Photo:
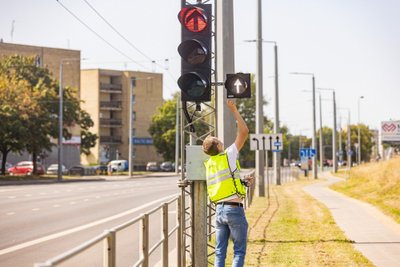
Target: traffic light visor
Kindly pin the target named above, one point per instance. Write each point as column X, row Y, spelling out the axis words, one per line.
column 193, row 51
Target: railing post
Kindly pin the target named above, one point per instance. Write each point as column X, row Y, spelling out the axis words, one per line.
column 109, row 249
column 179, row 234
column 144, row 239
column 164, row 222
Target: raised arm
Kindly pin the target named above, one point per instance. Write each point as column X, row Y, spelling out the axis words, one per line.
column 243, row 131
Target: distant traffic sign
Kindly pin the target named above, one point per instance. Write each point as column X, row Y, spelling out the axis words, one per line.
column 307, row 152
column 266, row 142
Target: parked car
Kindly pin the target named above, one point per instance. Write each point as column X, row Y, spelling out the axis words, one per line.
column 81, row 170
column 100, row 169
column 118, row 165
column 167, row 166
column 25, row 168
column 53, row 169
column 152, row 166
column 8, row 165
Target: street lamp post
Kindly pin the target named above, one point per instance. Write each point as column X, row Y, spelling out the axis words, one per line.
column 60, row 119
column 314, row 160
column 334, row 145
column 60, row 125
column 359, row 136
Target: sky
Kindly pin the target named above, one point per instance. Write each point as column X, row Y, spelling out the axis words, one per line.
column 351, row 46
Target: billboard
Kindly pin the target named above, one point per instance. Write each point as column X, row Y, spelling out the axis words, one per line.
column 390, row 131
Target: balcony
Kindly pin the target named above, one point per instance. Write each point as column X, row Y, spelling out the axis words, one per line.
column 110, row 139
column 111, row 123
column 110, row 105
column 111, row 88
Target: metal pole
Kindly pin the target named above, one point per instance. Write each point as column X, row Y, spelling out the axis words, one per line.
column 359, row 135
column 60, row 126
column 334, row 157
column 177, row 135
column 321, row 144
column 130, row 127
column 314, row 141
column 259, row 105
column 340, row 140
column 277, row 155
column 348, row 142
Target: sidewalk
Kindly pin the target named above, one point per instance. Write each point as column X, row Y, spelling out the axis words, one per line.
column 375, row 235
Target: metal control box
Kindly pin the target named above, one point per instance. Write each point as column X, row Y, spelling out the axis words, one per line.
column 195, row 158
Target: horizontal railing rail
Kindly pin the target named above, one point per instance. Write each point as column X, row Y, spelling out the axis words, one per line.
column 110, row 239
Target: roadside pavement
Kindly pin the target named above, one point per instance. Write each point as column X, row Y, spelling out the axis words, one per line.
column 375, row 235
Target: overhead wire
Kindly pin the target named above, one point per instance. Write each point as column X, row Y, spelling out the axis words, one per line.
column 98, row 35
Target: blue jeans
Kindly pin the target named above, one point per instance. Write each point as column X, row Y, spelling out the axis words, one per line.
column 230, row 221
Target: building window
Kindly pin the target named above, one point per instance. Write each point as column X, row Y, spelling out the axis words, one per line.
column 133, row 115
column 133, row 82
column 133, row 131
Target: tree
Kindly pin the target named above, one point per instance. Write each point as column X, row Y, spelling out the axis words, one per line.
column 162, row 129
column 31, row 100
column 366, row 142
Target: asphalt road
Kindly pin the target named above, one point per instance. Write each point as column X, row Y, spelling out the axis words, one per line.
column 38, row 222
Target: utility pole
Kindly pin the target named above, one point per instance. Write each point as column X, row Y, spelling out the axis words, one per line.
column 334, row 145
column 259, row 104
column 321, row 144
column 277, row 155
column 314, row 139
column 359, row 135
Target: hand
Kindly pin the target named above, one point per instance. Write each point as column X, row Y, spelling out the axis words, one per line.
column 231, row 105
column 248, row 180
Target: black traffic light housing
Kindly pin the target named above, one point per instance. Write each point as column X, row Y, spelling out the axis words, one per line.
column 238, row 85
column 195, row 51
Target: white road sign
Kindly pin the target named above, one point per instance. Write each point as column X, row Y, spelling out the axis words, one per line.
column 266, row 142
column 390, row 131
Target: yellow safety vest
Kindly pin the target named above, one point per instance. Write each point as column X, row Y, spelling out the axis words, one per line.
column 220, row 183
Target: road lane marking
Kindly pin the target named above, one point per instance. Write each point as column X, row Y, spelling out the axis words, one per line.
column 10, row 213
column 35, row 209
column 80, row 228
column 56, row 206
column 12, row 197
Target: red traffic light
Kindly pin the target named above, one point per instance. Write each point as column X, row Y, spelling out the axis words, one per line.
column 193, row 18
column 238, row 85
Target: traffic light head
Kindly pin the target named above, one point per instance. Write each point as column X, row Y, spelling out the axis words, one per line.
column 195, row 51
column 238, row 85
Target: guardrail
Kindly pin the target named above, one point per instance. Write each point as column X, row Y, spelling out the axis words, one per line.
column 109, row 238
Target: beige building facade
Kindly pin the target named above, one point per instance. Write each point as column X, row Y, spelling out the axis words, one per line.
column 106, row 95
column 53, row 59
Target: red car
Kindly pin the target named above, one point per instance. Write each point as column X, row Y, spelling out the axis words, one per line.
column 25, row 168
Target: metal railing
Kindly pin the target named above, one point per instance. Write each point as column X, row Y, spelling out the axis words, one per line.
column 109, row 238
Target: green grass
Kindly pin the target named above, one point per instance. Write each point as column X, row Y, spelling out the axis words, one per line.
column 293, row 229
column 377, row 183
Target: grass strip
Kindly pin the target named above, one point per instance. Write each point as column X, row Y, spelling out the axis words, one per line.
column 293, row 229
column 377, row 183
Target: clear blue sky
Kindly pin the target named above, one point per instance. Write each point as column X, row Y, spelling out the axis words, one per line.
column 350, row 45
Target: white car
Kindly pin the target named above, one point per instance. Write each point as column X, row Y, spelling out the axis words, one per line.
column 53, row 169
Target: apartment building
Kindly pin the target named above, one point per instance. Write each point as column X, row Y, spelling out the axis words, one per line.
column 106, row 95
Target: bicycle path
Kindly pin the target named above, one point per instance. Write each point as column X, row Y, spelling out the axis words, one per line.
column 375, row 235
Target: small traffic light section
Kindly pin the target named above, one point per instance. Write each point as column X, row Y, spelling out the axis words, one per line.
column 195, row 50
column 238, row 85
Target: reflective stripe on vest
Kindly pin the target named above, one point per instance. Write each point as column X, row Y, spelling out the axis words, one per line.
column 220, row 183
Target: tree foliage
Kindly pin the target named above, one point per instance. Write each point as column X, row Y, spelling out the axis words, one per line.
column 29, row 107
